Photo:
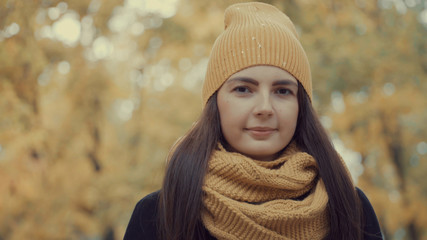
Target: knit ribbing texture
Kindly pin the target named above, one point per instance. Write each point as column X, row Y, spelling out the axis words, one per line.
column 249, row 199
column 256, row 34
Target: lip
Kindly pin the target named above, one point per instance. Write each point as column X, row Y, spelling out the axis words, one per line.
column 260, row 132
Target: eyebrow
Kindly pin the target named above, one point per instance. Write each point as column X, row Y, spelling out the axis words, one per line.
column 254, row 82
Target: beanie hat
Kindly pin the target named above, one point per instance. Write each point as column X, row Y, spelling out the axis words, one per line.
column 255, row 34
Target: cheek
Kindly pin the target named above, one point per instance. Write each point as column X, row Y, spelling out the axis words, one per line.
column 224, row 113
column 289, row 116
column 227, row 116
column 232, row 119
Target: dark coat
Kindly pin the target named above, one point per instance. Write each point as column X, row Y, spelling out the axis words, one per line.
column 142, row 224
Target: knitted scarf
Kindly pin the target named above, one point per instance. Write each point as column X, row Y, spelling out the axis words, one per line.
column 250, row 199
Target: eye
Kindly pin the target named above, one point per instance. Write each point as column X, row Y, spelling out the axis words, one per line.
column 241, row 89
column 283, row 91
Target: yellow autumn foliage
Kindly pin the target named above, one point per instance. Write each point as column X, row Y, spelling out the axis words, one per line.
column 88, row 115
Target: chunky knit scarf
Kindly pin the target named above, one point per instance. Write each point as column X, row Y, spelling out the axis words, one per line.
column 250, row 199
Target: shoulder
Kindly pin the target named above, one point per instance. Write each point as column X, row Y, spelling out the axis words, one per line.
column 142, row 224
column 371, row 228
column 148, row 201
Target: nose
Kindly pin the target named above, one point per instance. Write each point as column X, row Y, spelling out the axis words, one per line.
column 264, row 107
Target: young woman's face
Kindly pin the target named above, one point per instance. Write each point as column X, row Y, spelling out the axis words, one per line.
column 258, row 109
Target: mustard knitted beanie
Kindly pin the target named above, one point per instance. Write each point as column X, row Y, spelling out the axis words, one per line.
column 255, row 34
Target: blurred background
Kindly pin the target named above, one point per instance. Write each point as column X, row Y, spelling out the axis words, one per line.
column 93, row 94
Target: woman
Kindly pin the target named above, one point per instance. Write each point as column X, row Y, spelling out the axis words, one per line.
column 257, row 164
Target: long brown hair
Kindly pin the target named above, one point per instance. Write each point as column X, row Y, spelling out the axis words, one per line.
column 180, row 200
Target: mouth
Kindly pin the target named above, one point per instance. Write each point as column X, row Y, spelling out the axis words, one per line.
column 260, row 132
column 261, row 129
